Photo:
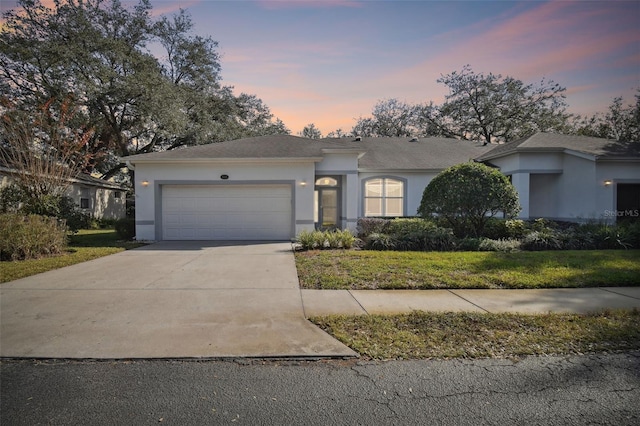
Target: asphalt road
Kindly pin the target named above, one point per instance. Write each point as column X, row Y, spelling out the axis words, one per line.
column 578, row 390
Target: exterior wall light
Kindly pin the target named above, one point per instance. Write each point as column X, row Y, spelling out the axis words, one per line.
column 303, row 183
column 145, row 183
column 607, row 182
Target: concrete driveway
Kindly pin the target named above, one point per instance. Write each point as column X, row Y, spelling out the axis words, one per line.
column 165, row 300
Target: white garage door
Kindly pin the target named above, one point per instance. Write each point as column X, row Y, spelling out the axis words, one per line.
column 221, row 212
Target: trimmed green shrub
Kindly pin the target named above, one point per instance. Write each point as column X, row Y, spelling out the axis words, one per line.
column 502, row 229
column 439, row 239
column 409, row 226
column 469, row 244
column 412, row 234
column 577, row 238
column 30, row 237
column 467, row 195
column 125, row 228
column 370, row 225
column 495, row 229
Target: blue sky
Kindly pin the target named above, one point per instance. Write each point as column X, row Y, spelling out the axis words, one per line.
column 329, row 62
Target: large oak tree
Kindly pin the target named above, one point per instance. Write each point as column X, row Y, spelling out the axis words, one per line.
column 480, row 107
column 141, row 84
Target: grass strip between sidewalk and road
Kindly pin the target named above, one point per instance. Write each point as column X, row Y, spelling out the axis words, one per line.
column 83, row 246
column 370, row 270
column 422, row 335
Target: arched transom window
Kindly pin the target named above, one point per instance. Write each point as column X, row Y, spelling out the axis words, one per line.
column 326, row 181
column 384, row 197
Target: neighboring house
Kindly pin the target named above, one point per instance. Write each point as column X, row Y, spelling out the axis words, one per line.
column 571, row 178
column 99, row 198
column 273, row 187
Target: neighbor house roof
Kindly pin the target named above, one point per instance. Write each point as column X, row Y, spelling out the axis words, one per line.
column 375, row 153
column 596, row 147
column 85, row 179
column 81, row 179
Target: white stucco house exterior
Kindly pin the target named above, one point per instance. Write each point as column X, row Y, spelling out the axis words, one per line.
column 273, row 187
column 571, row 178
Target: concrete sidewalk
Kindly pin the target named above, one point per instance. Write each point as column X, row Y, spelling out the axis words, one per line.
column 216, row 299
column 362, row 302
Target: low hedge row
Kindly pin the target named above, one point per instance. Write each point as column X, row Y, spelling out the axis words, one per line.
column 30, row 237
column 499, row 235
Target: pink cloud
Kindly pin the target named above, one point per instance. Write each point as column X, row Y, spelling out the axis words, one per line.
column 311, row 4
column 547, row 41
column 171, row 7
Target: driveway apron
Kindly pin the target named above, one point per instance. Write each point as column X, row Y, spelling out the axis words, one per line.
column 165, row 300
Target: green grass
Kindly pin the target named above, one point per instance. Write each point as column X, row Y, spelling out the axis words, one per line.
column 84, row 246
column 362, row 270
column 421, row 335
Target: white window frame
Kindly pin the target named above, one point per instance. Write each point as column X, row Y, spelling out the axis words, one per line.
column 383, row 197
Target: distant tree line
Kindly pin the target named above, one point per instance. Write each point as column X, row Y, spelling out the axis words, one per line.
column 492, row 108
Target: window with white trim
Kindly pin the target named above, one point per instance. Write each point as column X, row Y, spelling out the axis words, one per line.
column 84, row 198
column 384, row 197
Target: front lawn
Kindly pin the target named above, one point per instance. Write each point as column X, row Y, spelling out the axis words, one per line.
column 362, row 270
column 422, row 335
column 85, row 245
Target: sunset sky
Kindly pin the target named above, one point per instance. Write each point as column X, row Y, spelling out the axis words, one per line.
column 329, row 62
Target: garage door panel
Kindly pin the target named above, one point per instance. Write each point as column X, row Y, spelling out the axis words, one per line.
column 209, row 212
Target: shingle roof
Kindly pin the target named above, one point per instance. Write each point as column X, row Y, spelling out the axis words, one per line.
column 94, row 181
column 274, row 146
column 377, row 153
column 82, row 178
column 598, row 147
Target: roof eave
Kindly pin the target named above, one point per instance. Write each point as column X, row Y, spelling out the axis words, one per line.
column 236, row 160
column 359, row 152
column 379, row 170
column 610, row 158
column 96, row 183
column 519, row 150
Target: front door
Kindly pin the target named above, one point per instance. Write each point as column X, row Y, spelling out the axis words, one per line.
column 328, row 208
column 327, row 205
column 628, row 202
